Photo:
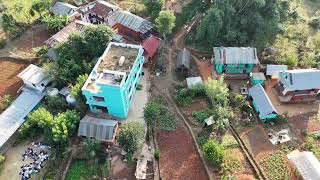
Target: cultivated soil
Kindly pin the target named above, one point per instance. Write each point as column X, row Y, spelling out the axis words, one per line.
column 179, row 159
column 9, row 81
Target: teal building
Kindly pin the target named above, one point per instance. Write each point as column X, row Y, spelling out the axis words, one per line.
column 112, row 83
column 262, row 104
column 234, row 59
column 257, row 78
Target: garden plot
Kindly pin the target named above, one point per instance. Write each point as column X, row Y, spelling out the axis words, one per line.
column 179, row 158
column 9, row 81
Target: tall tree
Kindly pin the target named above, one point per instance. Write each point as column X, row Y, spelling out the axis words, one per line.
column 217, row 91
column 153, row 7
column 165, row 22
column 242, row 23
column 131, row 137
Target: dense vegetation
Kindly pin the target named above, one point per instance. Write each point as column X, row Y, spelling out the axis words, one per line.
column 79, row 54
column 242, row 22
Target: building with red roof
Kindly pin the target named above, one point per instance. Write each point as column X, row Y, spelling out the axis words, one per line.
column 150, row 46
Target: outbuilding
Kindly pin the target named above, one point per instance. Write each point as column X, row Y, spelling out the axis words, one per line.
column 194, row 81
column 183, row 60
column 234, row 59
column 63, row 9
column 34, row 78
column 262, row 103
column 257, row 78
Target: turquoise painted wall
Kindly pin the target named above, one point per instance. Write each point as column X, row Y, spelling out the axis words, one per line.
column 256, row 81
column 118, row 98
column 234, row 68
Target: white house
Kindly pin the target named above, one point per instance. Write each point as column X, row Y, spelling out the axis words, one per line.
column 63, row 9
column 34, row 78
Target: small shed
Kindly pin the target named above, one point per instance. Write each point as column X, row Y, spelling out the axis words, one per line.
column 183, row 60
column 209, row 121
column 262, row 103
column 257, row 78
column 274, row 69
column 306, row 163
column 63, row 9
column 150, row 46
column 98, row 128
column 194, row 81
column 34, row 77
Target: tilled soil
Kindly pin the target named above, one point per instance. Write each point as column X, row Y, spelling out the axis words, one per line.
column 179, row 158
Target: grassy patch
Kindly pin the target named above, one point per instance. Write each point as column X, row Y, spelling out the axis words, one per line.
column 231, row 161
column 82, row 170
column 274, row 165
column 228, row 141
column 23, row 7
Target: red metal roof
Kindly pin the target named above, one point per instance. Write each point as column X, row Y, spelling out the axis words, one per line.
column 151, row 45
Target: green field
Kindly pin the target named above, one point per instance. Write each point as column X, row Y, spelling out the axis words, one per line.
column 20, row 9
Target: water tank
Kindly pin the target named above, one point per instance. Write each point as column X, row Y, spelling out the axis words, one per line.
column 121, row 61
column 71, row 100
column 52, row 92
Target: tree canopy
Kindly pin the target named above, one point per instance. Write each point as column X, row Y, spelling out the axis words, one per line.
column 131, row 137
column 165, row 22
column 79, row 54
column 214, row 152
column 153, row 7
column 242, row 23
column 217, row 91
column 56, row 23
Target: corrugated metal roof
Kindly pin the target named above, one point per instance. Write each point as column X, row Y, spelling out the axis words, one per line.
column 33, row 74
column 300, row 79
column 151, row 45
column 61, row 8
column 64, row 34
column 14, row 116
column 184, row 59
column 235, row 55
column 98, row 128
column 193, row 81
column 307, row 164
column 259, row 76
column 103, row 8
column 261, row 100
column 132, row 21
column 273, row 69
column 118, row 38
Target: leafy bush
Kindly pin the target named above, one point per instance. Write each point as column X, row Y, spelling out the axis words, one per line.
column 157, row 115
column 184, row 96
column 6, row 100
column 200, row 116
column 275, row 166
column 56, row 23
column 214, row 152
column 139, row 87
column 131, row 137
column 92, row 148
column 157, row 154
column 203, row 136
column 3, row 43
column 56, row 104
column 10, row 25
column 2, row 159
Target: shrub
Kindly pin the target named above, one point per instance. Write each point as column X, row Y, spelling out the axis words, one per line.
column 214, row 152
column 3, row 43
column 203, row 136
column 56, row 104
column 157, row 154
column 2, row 159
column 6, row 101
column 131, row 137
column 200, row 116
column 139, row 87
column 10, row 25
column 183, row 97
column 92, row 147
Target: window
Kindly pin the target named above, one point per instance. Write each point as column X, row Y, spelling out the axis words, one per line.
column 42, row 84
column 98, row 99
column 33, row 85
